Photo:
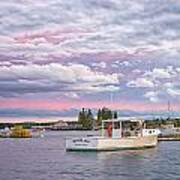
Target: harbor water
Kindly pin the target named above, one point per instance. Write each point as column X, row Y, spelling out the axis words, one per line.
column 46, row 159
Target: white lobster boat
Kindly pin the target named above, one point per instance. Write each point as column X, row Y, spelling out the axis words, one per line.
column 116, row 134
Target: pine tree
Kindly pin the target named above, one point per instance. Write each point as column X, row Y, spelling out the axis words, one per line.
column 115, row 115
column 109, row 114
column 106, row 113
column 99, row 117
column 89, row 119
column 86, row 118
column 80, row 117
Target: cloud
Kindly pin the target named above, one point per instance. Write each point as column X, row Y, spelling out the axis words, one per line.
column 172, row 89
column 161, row 73
column 152, row 96
column 100, row 65
column 141, row 83
column 162, row 83
column 72, row 95
column 173, row 92
column 23, row 112
column 72, row 49
column 98, row 26
column 71, row 78
column 119, row 63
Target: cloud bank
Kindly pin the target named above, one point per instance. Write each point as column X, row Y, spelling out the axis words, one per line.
column 85, row 51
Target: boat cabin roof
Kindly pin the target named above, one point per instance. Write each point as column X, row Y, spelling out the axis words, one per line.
column 123, row 120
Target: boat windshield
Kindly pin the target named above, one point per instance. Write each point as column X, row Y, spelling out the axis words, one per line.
column 117, row 129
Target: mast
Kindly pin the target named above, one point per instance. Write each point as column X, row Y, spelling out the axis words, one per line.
column 111, row 100
column 169, row 109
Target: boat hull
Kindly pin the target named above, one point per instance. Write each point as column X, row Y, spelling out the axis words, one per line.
column 110, row 144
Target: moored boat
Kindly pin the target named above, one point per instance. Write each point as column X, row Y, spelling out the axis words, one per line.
column 20, row 132
column 116, row 134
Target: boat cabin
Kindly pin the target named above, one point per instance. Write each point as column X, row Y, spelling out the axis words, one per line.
column 118, row 128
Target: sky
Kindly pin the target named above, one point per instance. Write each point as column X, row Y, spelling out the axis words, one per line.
column 57, row 55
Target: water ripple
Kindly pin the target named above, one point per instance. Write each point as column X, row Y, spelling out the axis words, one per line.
column 46, row 159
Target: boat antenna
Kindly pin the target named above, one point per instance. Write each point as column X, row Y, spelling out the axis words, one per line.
column 169, row 109
column 111, row 98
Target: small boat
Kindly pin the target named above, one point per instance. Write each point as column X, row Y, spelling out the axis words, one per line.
column 116, row 134
column 4, row 133
column 20, row 132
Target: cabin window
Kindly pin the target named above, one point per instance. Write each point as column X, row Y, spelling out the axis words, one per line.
column 116, row 125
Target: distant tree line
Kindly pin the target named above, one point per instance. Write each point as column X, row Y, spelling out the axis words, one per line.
column 104, row 114
column 88, row 121
column 159, row 122
column 26, row 125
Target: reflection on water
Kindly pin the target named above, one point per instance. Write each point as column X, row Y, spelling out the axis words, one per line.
column 46, row 158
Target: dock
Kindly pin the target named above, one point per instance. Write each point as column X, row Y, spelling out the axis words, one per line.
column 169, row 138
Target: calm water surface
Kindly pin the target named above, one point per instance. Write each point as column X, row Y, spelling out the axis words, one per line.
column 46, row 159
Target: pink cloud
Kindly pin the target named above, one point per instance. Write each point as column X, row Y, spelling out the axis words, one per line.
column 60, row 105
column 6, row 39
column 50, row 35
